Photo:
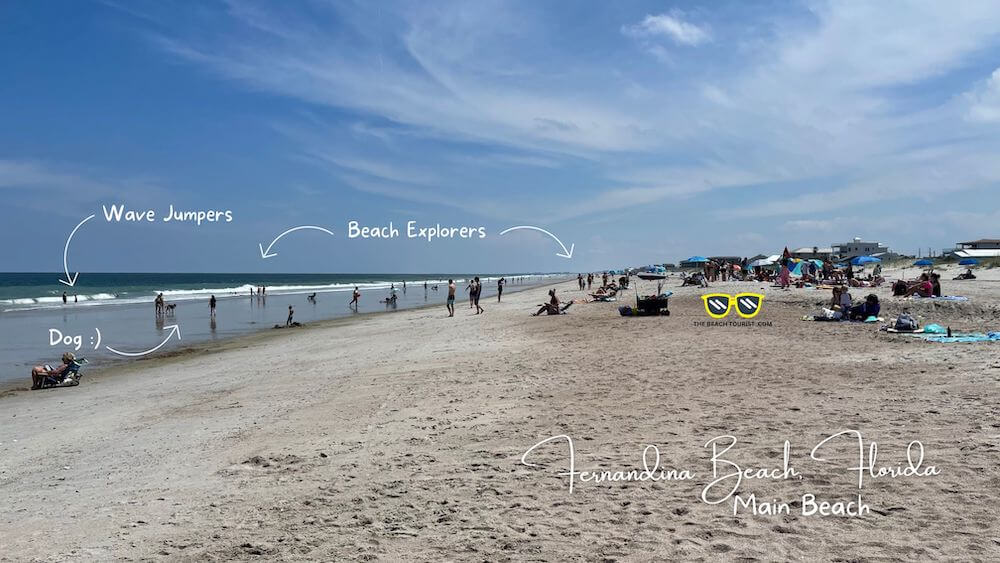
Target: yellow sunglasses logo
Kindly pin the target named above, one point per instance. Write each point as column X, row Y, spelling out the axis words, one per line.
column 718, row 305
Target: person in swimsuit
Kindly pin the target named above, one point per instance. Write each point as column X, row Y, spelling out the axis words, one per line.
column 477, row 292
column 291, row 313
column 451, row 298
column 354, row 300
column 500, row 284
column 211, row 306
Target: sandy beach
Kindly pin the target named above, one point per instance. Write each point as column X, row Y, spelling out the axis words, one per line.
column 400, row 437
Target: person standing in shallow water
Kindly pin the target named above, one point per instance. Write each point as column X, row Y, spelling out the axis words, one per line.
column 211, row 306
column 451, row 298
column 354, row 301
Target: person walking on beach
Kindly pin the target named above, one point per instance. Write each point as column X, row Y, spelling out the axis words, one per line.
column 354, row 300
column 211, row 306
column 64, row 298
column 579, row 281
column 451, row 298
column 471, row 288
column 291, row 313
column 478, row 292
column 158, row 304
column 500, row 284
column 590, row 280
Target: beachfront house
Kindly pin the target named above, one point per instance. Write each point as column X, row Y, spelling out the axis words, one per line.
column 982, row 248
column 813, row 253
column 858, row 247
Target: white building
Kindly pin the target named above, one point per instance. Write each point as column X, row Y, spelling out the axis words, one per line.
column 982, row 248
column 812, row 252
column 858, row 247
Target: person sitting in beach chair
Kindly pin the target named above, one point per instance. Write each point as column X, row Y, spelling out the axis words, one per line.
column 40, row 375
column 936, row 284
column 870, row 308
column 968, row 275
column 923, row 288
column 552, row 307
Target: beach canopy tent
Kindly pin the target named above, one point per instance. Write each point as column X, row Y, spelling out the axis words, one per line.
column 697, row 259
column 968, row 262
column 862, row 260
column 924, row 262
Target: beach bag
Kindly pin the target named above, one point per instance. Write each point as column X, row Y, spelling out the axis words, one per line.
column 906, row 322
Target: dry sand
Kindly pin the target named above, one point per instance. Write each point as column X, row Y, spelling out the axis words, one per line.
column 399, row 437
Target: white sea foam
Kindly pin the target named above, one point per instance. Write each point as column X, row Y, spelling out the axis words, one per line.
column 55, row 301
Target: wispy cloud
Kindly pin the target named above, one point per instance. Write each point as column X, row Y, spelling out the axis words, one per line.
column 984, row 100
column 671, row 26
column 838, row 102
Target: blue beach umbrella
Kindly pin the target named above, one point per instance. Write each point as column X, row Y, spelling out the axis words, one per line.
column 697, row 259
column 968, row 262
column 862, row 260
column 924, row 262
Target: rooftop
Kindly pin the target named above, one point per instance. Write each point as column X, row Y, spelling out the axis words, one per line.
column 983, row 241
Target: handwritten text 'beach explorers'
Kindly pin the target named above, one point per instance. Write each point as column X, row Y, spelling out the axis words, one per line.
column 413, row 230
column 727, row 475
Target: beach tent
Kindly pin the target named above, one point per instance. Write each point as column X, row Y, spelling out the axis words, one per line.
column 924, row 262
column 862, row 260
column 968, row 262
column 797, row 270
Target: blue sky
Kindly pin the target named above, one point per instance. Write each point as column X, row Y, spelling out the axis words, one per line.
column 639, row 131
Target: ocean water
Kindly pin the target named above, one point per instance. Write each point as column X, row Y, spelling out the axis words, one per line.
column 116, row 310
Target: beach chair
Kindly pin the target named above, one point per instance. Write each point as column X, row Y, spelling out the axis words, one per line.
column 69, row 377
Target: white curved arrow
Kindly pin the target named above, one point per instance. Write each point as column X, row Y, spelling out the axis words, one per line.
column 267, row 253
column 71, row 280
column 565, row 253
column 174, row 329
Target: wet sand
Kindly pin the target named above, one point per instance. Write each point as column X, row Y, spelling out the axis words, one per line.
column 399, row 437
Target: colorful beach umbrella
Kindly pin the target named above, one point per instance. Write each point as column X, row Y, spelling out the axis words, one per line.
column 862, row 260
column 968, row 262
column 924, row 262
column 697, row 259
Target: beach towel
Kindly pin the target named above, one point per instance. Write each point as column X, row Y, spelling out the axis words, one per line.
column 972, row 337
column 944, row 298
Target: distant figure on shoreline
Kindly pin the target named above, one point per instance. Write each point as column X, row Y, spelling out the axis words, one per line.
column 477, row 292
column 74, row 298
column 158, row 304
column 311, row 298
column 354, row 300
column 211, row 307
column 291, row 313
column 500, row 284
column 64, row 298
column 451, row 298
